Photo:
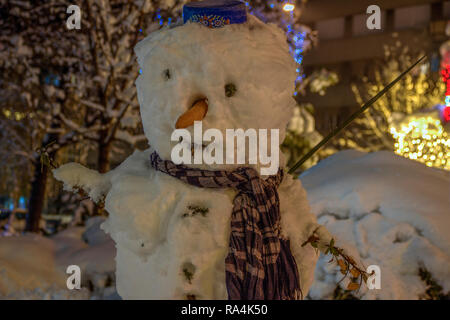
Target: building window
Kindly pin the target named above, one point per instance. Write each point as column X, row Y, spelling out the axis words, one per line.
column 412, row 17
column 331, row 29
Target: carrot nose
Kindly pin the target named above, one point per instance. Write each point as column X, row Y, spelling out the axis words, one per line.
column 196, row 113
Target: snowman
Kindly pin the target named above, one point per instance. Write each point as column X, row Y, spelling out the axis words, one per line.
column 203, row 230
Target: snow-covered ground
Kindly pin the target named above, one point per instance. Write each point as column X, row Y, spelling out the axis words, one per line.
column 384, row 209
column 387, row 211
column 33, row 266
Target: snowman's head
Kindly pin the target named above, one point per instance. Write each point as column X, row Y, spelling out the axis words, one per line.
column 243, row 74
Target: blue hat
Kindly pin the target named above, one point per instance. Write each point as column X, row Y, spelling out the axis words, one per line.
column 215, row 13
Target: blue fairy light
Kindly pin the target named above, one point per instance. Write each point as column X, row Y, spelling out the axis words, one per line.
column 296, row 37
column 22, row 203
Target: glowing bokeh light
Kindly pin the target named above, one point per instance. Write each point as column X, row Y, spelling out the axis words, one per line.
column 288, row 7
column 424, row 139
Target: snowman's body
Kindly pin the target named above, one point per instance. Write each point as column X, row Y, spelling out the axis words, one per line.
column 164, row 249
column 160, row 241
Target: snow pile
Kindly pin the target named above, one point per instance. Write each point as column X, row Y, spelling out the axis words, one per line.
column 33, row 266
column 387, row 211
column 95, row 256
column 28, row 270
column 93, row 234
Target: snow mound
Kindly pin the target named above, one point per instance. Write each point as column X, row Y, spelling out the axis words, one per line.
column 93, row 234
column 95, row 255
column 33, row 266
column 28, row 270
column 387, row 211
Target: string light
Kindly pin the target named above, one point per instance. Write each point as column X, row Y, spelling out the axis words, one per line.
column 423, row 139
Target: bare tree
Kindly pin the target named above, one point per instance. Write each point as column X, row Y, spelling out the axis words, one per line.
column 72, row 86
column 31, row 60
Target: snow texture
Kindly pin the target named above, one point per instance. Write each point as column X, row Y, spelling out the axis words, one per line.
column 34, row 267
column 164, row 249
column 387, row 211
column 78, row 177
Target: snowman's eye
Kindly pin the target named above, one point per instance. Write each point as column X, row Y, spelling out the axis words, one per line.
column 166, row 74
column 230, row 89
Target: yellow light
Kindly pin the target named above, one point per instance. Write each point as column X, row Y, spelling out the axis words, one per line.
column 423, row 139
column 288, row 7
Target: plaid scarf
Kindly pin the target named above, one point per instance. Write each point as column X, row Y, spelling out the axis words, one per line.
column 259, row 265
